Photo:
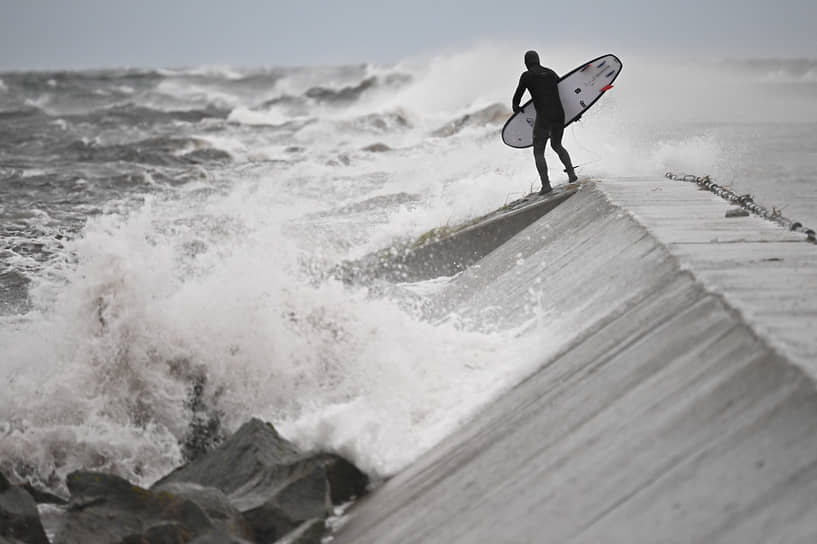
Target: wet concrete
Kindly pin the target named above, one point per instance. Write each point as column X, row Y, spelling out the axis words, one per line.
column 680, row 407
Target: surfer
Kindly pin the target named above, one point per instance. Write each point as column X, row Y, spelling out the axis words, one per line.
column 542, row 83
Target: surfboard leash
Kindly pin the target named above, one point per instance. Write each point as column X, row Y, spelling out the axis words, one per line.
column 584, row 148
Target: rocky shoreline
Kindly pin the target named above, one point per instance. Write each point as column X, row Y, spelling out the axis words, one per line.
column 256, row 487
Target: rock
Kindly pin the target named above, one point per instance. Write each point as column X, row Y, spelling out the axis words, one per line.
column 269, row 523
column 165, row 533
column 736, row 212
column 19, row 519
column 219, row 537
column 168, row 533
column 215, row 504
column 305, row 498
column 106, row 508
column 4, row 540
column 174, row 533
column 246, row 457
column 309, row 532
column 42, row 497
column 377, row 148
column 274, row 485
column 346, row 481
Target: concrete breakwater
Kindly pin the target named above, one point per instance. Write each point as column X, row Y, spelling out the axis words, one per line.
column 680, row 406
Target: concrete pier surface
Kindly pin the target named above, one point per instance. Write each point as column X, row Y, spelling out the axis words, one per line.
column 680, row 405
column 763, row 271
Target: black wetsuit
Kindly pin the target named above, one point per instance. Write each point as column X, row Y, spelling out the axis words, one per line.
column 542, row 83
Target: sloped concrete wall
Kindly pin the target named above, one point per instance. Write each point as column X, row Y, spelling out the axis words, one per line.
column 451, row 254
column 663, row 418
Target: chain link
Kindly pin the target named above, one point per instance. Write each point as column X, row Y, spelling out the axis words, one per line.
column 747, row 203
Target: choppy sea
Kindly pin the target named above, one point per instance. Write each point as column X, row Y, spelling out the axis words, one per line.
column 167, row 238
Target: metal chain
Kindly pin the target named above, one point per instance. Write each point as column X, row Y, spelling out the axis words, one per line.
column 747, row 203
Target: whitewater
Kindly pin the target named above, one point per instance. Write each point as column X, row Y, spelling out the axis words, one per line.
column 170, row 237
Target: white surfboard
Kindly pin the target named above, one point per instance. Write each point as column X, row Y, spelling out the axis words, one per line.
column 579, row 89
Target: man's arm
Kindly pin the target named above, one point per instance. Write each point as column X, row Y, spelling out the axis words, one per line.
column 517, row 96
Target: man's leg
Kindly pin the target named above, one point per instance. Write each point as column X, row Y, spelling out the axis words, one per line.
column 540, row 140
column 556, row 132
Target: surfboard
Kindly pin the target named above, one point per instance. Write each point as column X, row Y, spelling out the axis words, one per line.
column 579, row 89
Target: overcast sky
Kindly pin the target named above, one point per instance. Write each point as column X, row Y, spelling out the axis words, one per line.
column 42, row 34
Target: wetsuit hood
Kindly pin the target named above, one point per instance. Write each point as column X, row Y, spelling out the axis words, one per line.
column 531, row 59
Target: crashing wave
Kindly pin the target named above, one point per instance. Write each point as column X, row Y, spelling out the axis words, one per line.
column 159, row 151
column 491, row 115
column 131, row 113
column 352, row 93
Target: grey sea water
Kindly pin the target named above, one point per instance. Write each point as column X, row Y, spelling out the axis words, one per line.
column 166, row 228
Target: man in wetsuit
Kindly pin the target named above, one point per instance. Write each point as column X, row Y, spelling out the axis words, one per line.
column 541, row 83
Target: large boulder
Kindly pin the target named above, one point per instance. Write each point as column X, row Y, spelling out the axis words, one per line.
column 41, row 496
column 219, row 537
column 19, row 519
column 224, row 516
column 309, row 532
column 175, row 533
column 306, row 497
column 10, row 540
column 274, row 485
column 107, row 508
column 164, row 533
